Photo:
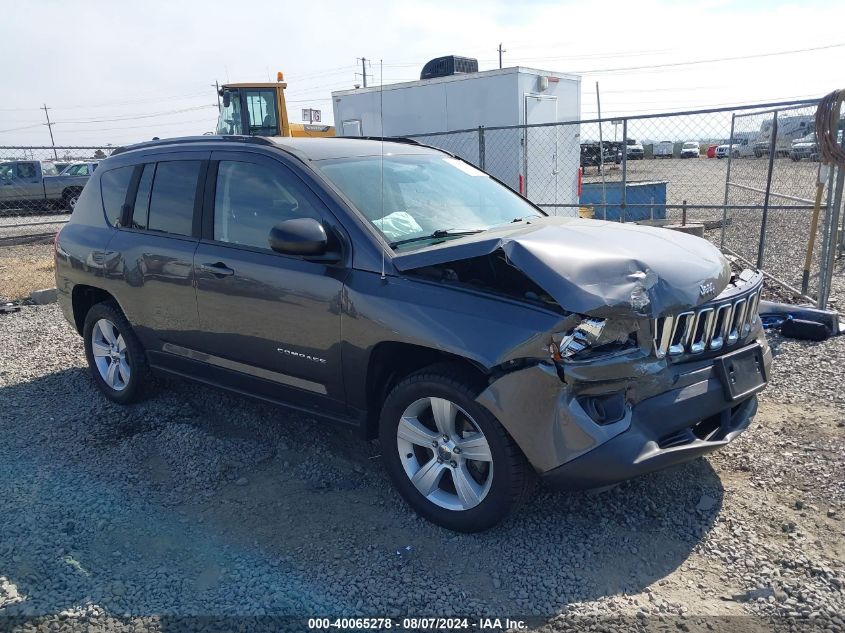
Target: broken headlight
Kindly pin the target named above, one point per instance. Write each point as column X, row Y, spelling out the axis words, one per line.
column 594, row 335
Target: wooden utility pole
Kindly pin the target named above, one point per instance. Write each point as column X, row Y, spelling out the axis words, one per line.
column 364, row 70
column 501, row 50
column 50, row 127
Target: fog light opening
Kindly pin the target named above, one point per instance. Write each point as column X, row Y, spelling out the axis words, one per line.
column 604, row 409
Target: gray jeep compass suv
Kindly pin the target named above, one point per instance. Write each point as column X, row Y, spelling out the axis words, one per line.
column 396, row 288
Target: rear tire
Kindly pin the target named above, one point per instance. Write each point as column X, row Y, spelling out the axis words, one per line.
column 115, row 356
column 430, row 425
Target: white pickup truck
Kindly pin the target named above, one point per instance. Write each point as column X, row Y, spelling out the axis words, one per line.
column 34, row 184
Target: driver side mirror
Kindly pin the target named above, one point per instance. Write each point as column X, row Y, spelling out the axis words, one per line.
column 302, row 237
column 227, row 98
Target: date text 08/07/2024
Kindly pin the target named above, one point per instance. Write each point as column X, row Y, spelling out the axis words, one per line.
column 418, row 623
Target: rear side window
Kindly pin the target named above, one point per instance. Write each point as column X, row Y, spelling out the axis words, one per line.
column 26, row 170
column 141, row 209
column 114, row 184
column 172, row 199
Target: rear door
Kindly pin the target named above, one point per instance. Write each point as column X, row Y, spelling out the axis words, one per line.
column 156, row 244
column 270, row 321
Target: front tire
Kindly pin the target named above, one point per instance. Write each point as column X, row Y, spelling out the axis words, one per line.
column 447, row 455
column 115, row 356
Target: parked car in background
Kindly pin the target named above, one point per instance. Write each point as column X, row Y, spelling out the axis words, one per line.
column 807, row 147
column 32, row 184
column 634, row 149
column 481, row 341
column 79, row 169
column 663, row 149
column 711, row 151
column 690, row 149
column 738, row 148
column 591, row 157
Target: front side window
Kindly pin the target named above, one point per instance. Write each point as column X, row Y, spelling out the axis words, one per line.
column 251, row 198
column 424, row 194
column 114, row 184
column 172, row 197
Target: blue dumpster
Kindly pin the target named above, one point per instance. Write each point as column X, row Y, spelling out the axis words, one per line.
column 651, row 193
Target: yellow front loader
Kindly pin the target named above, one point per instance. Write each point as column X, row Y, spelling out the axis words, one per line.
column 259, row 109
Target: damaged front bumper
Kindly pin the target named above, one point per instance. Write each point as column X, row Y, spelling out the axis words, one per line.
column 673, row 412
column 674, row 427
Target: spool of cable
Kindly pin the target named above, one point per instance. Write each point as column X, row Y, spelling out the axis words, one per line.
column 827, row 126
column 830, row 153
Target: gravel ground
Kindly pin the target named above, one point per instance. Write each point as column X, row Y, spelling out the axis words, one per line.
column 195, row 502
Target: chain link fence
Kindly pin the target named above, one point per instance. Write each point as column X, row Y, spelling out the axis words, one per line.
column 747, row 174
column 37, row 179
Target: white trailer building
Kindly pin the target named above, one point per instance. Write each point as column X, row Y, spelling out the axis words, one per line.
column 540, row 162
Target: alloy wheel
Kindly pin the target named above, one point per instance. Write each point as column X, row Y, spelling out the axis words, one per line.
column 444, row 453
column 110, row 356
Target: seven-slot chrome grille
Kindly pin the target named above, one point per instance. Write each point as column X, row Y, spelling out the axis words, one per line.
column 709, row 327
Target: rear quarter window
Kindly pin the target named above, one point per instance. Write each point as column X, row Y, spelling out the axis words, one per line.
column 114, row 185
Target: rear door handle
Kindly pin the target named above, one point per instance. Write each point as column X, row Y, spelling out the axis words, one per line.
column 218, row 269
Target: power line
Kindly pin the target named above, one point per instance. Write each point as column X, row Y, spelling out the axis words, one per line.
column 707, row 61
column 24, row 127
column 135, row 127
column 141, row 116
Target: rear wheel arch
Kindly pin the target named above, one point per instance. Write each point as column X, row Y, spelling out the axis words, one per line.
column 83, row 298
column 391, row 362
column 67, row 192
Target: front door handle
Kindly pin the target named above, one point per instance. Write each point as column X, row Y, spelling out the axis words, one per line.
column 218, row 269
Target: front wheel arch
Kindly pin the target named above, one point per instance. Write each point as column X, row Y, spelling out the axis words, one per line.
column 513, row 478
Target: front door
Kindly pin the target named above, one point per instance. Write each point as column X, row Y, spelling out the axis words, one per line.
column 22, row 182
column 270, row 318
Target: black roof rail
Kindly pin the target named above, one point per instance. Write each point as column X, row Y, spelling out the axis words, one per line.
column 206, row 138
column 386, row 139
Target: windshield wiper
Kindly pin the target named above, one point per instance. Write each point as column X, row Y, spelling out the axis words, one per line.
column 433, row 236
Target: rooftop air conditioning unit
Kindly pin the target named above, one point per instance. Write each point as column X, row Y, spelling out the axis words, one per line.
column 449, row 65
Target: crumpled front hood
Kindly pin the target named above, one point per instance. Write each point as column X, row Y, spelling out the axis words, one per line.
column 596, row 267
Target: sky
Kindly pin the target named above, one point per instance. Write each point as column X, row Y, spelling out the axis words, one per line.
column 119, row 72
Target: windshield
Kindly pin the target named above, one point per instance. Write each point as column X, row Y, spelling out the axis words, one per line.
column 631, row 141
column 424, row 194
column 229, row 120
column 690, row 145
